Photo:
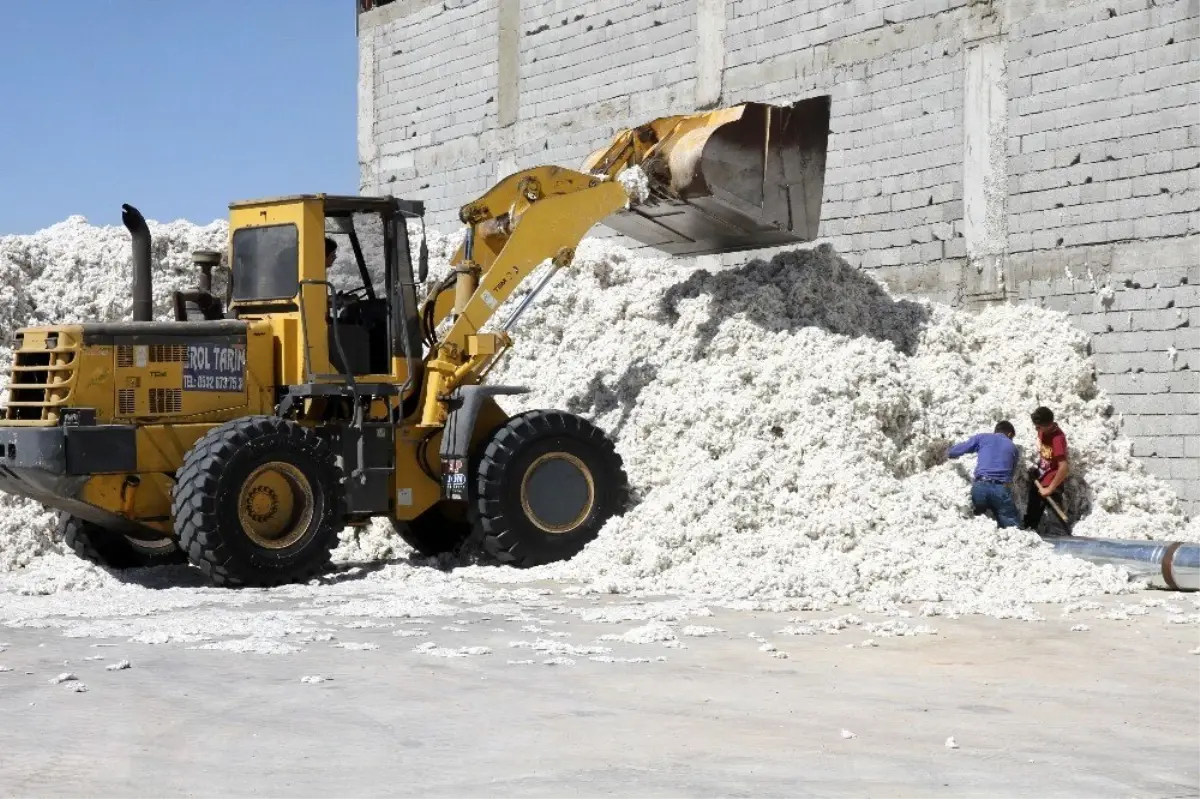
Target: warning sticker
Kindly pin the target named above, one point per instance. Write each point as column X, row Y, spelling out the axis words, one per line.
column 454, row 479
column 215, row 367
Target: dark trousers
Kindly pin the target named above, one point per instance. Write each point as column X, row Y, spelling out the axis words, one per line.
column 1036, row 507
column 994, row 497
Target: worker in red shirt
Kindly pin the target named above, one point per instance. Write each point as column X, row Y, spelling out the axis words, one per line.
column 1046, row 479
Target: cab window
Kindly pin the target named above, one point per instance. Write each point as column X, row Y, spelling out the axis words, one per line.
column 266, row 263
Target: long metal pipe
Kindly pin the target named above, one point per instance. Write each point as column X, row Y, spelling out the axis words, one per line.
column 143, row 290
column 1173, row 565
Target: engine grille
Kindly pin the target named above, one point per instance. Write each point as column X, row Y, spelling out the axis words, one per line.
column 43, row 375
column 166, row 400
column 126, row 401
column 168, row 353
column 138, row 399
column 154, row 353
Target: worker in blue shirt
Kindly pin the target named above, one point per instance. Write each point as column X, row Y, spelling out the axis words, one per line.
column 997, row 458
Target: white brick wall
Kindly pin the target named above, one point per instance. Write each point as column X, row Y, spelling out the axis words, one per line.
column 1105, row 125
column 434, row 92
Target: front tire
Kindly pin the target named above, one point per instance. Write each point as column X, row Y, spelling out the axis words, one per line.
column 259, row 503
column 115, row 551
column 546, row 484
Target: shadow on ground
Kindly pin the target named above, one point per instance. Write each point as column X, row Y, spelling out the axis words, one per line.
column 185, row 576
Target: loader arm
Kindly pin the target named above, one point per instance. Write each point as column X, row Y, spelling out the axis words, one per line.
column 527, row 218
column 728, row 180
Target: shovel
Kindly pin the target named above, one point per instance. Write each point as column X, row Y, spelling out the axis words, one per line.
column 1058, row 509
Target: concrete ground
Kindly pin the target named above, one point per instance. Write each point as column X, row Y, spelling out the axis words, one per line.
column 1036, row 710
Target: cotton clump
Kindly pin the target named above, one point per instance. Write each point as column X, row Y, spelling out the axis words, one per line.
column 636, row 184
column 784, row 425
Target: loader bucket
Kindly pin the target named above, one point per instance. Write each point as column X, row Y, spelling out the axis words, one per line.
column 739, row 178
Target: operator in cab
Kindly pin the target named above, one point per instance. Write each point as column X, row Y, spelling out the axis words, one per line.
column 330, row 252
column 991, row 489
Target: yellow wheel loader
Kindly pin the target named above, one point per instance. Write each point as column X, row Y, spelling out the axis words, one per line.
column 244, row 435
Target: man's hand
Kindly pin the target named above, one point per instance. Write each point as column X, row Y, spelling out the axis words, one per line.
column 1045, row 491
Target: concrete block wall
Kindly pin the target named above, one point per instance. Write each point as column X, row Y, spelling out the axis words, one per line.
column 980, row 151
column 1104, row 138
column 1103, row 205
column 424, row 107
column 568, row 65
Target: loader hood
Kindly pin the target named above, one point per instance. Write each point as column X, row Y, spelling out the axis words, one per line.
column 126, row 370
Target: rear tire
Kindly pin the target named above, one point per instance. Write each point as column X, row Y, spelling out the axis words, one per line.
column 546, row 484
column 259, row 502
column 115, row 551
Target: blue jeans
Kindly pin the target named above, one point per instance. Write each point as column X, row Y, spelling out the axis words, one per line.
column 996, row 498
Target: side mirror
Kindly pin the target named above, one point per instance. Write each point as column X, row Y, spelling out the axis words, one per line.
column 423, row 260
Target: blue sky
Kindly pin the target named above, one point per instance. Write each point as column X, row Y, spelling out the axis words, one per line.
column 175, row 106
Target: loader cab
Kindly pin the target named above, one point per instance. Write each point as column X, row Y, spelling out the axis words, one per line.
column 357, row 319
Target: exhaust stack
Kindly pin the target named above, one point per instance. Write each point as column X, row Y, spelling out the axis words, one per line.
column 143, row 289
